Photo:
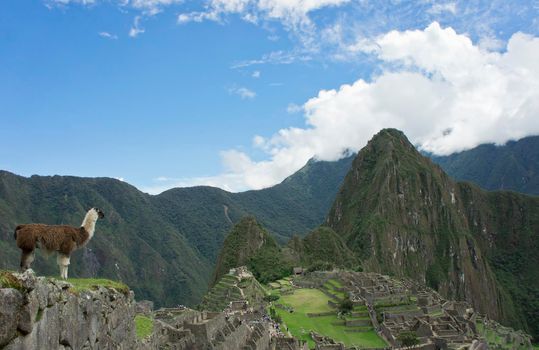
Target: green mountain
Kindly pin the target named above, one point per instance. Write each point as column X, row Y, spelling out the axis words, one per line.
column 320, row 249
column 249, row 244
column 403, row 216
column 513, row 166
column 164, row 246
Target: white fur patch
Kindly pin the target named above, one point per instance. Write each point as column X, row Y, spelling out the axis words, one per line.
column 89, row 222
column 63, row 260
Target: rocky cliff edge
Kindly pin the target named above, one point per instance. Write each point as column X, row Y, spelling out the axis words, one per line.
column 45, row 313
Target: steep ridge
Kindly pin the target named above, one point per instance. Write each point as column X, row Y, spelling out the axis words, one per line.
column 238, row 285
column 320, row 249
column 163, row 246
column 248, row 243
column 402, row 215
column 513, row 166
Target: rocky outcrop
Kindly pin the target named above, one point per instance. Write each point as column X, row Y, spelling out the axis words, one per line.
column 42, row 313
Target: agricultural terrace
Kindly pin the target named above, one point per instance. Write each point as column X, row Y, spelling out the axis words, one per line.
column 294, row 306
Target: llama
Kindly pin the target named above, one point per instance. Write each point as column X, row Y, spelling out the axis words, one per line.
column 55, row 238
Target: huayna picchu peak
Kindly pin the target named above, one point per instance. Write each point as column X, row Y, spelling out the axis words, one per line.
column 403, row 216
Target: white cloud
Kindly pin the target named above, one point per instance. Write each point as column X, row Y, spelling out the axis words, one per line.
column 151, row 7
column 67, row 2
column 293, row 108
column 275, row 57
column 293, row 15
column 147, row 7
column 308, row 23
column 136, row 29
column 259, row 141
column 439, row 8
column 293, row 12
column 444, row 92
column 256, row 74
column 243, row 92
column 197, row 17
column 108, row 35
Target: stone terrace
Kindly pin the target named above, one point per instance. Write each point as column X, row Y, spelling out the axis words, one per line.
column 397, row 306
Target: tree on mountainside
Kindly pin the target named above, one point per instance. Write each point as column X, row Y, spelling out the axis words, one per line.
column 407, row 339
column 346, row 306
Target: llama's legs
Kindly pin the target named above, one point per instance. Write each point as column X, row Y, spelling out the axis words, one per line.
column 63, row 263
column 27, row 257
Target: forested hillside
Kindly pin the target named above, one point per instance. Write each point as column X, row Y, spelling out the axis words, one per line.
column 514, row 166
column 164, row 246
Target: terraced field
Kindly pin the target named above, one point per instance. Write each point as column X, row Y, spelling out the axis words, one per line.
column 296, row 313
column 496, row 340
column 228, row 289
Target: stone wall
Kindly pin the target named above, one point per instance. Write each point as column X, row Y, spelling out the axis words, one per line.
column 49, row 314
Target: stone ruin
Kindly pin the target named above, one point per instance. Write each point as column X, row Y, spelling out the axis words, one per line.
column 187, row 329
column 241, row 272
column 326, row 343
column 405, row 306
column 239, row 327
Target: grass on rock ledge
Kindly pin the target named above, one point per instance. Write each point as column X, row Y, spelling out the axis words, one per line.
column 82, row 284
column 8, row 280
column 143, row 326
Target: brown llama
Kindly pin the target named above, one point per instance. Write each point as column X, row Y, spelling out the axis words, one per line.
column 62, row 239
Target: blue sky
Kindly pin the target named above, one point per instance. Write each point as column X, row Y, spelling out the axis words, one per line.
column 240, row 93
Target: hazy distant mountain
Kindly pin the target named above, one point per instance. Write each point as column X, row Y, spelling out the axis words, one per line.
column 514, row 166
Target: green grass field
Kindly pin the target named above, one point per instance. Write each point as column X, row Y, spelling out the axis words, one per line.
column 305, row 301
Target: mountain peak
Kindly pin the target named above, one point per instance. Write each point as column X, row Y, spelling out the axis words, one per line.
column 249, row 244
column 390, row 140
column 403, row 216
column 390, row 132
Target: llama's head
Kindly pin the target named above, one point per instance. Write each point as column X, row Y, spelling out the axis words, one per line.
column 100, row 214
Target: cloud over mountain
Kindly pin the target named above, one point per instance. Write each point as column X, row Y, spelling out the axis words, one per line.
column 447, row 93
